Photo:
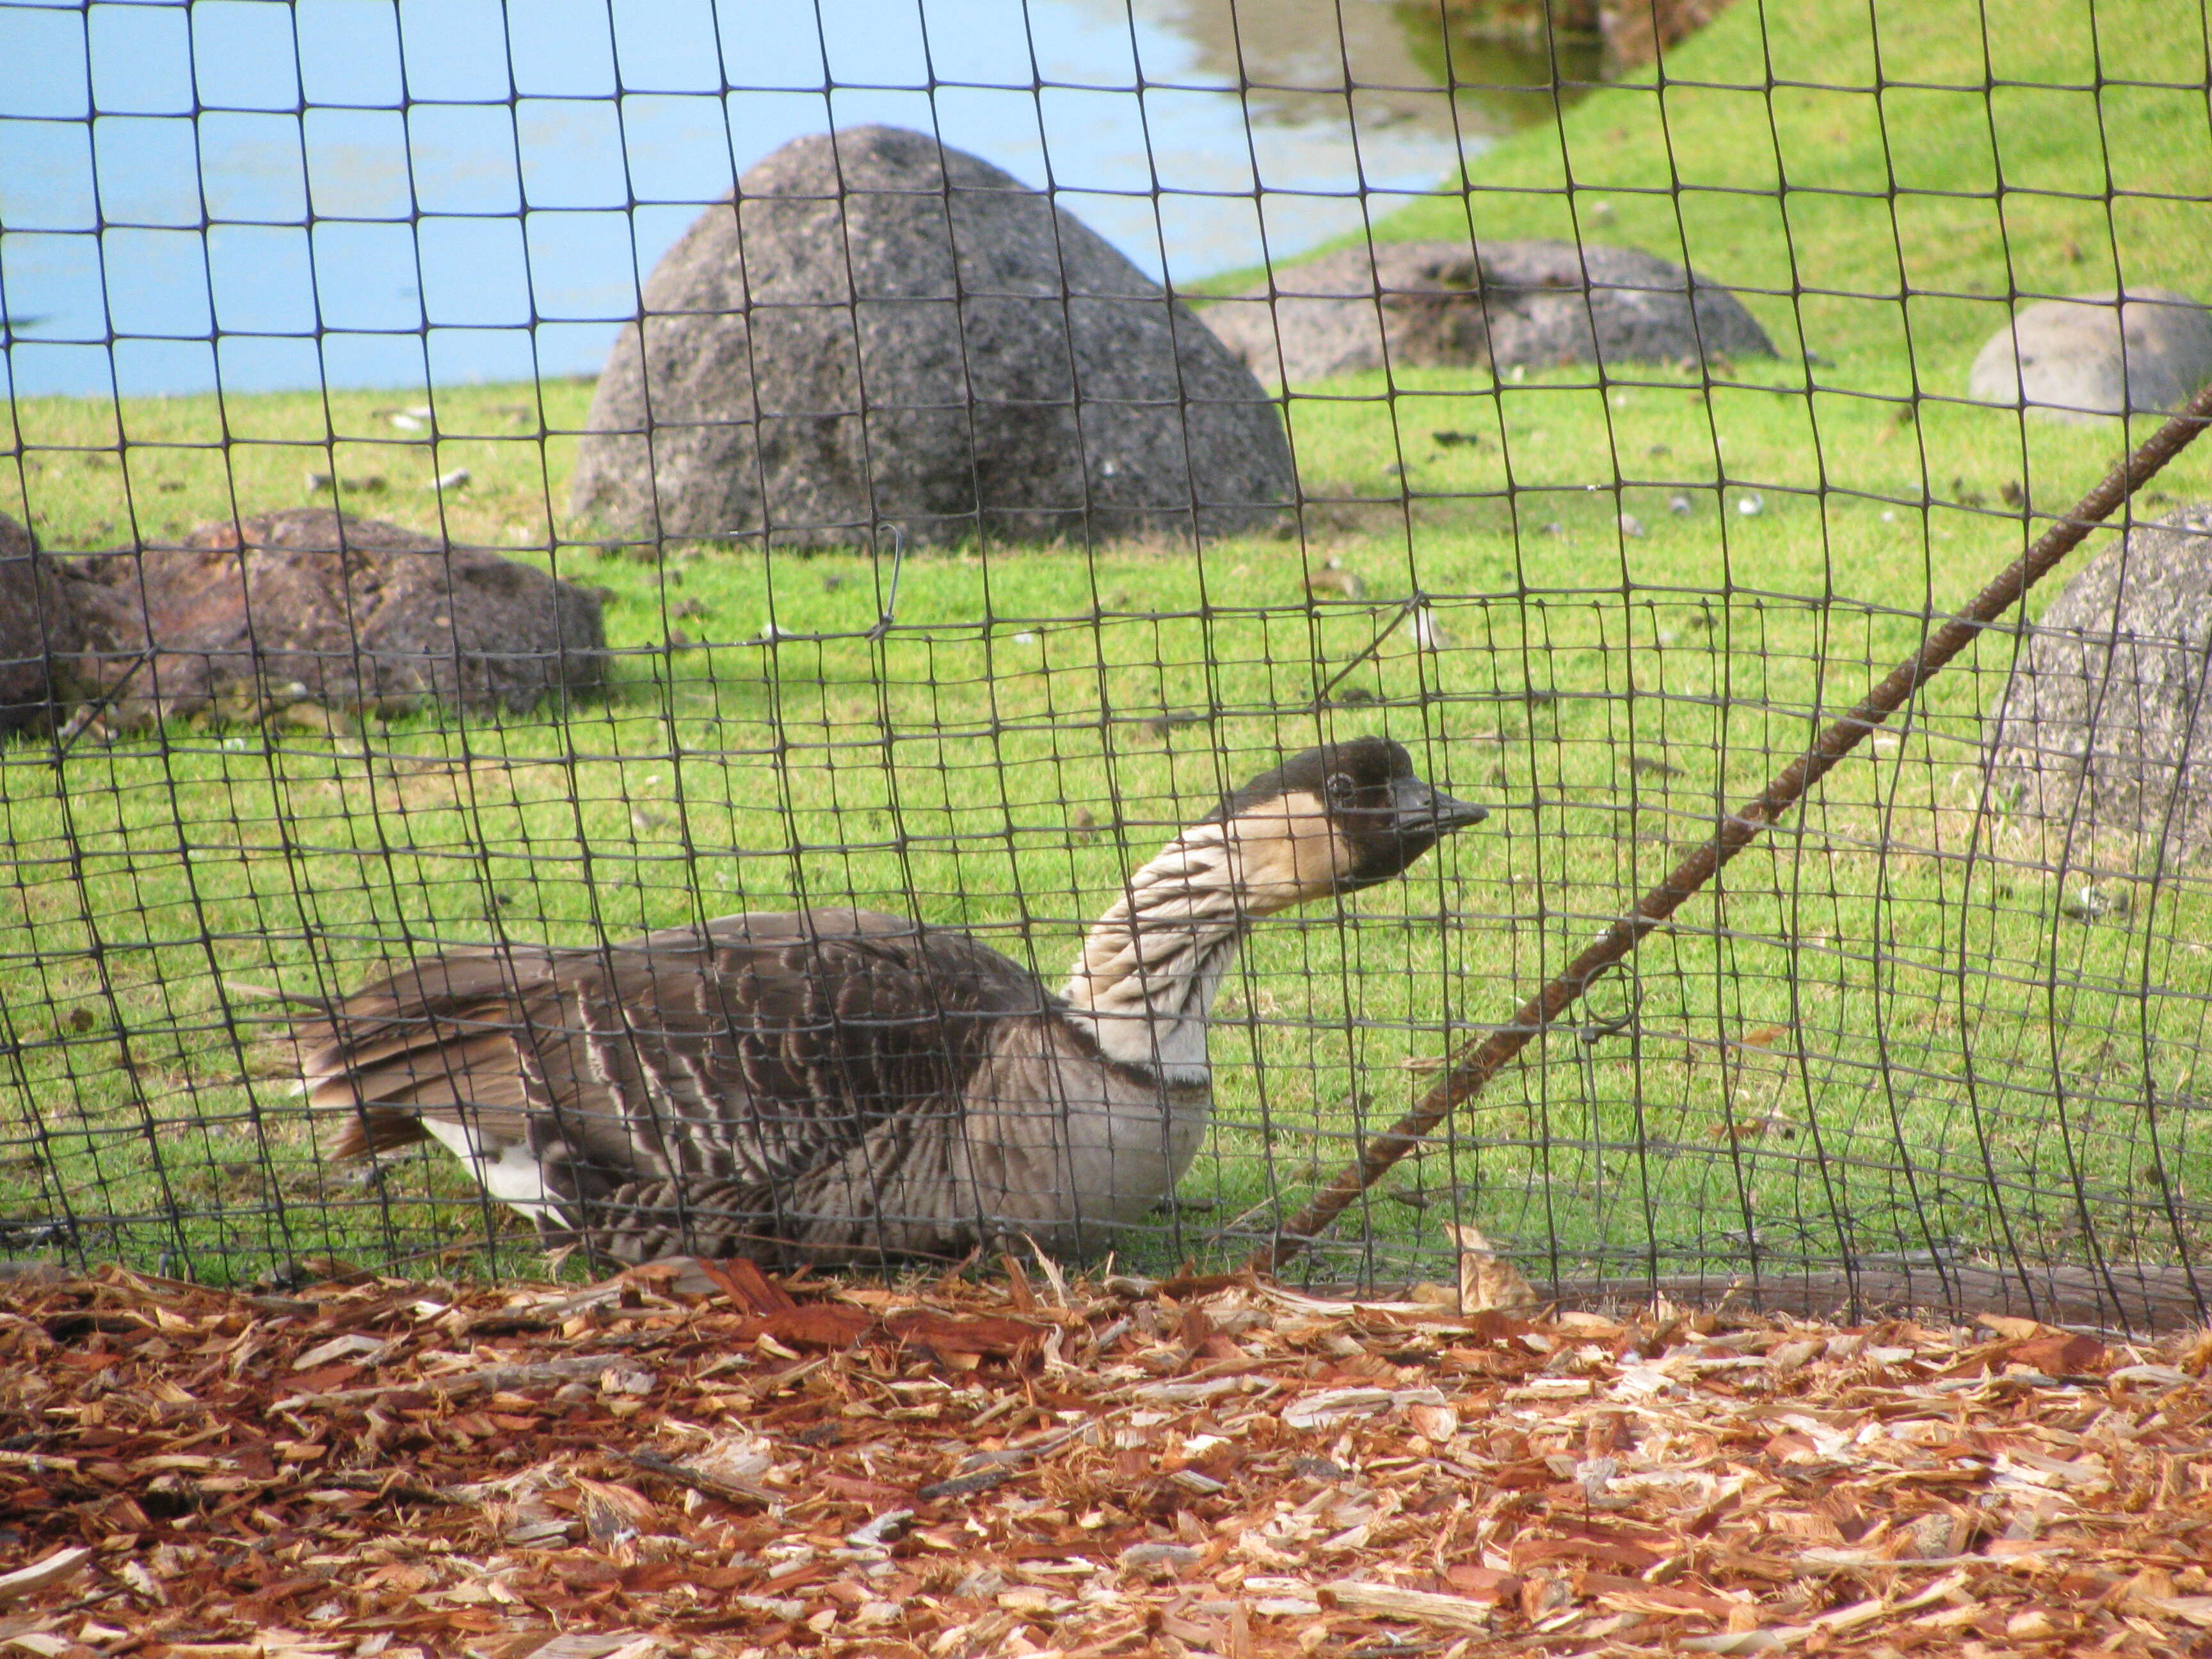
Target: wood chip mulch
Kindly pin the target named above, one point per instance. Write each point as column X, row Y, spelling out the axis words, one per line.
column 693, row 1460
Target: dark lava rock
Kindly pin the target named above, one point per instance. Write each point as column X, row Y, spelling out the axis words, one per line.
column 347, row 612
column 2075, row 359
column 1537, row 305
column 2104, row 723
column 41, row 632
column 820, row 362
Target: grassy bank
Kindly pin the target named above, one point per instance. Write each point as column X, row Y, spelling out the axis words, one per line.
column 1881, row 178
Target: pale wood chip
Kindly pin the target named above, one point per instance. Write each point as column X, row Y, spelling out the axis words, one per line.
column 50, row 1570
column 1416, row 1606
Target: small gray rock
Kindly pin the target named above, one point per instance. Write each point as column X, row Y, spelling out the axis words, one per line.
column 311, row 604
column 821, row 362
column 2075, row 359
column 2104, row 723
column 1533, row 304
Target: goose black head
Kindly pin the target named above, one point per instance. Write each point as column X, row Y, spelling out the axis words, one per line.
column 1334, row 819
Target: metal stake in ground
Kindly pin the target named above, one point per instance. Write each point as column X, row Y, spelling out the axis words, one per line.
column 1474, row 1067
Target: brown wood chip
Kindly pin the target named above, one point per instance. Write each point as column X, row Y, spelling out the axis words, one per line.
column 691, row 1464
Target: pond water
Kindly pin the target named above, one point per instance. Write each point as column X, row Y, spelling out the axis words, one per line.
column 354, row 193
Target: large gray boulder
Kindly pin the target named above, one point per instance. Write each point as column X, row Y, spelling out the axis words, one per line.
column 347, row 612
column 879, row 330
column 1535, row 305
column 2075, row 359
column 2104, row 723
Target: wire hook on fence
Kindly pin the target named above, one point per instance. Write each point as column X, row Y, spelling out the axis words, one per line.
column 97, row 704
column 1406, row 608
column 885, row 623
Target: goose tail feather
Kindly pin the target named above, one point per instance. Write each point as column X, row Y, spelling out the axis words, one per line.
column 434, row 1041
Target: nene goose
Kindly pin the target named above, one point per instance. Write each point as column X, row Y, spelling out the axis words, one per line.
column 838, row 1086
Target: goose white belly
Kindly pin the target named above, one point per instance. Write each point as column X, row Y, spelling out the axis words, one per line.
column 507, row 1170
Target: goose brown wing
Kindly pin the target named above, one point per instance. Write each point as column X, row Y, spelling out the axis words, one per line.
column 767, row 1046
column 747, row 1053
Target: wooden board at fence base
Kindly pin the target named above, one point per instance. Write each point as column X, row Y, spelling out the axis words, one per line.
column 2126, row 1296
column 690, row 1461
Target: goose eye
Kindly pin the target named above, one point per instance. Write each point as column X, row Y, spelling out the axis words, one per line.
column 1341, row 789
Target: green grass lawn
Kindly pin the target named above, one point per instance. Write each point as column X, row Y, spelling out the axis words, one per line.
column 1897, row 1026
column 1859, row 1045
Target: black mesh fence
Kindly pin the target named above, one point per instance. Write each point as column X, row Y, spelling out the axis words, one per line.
column 1046, row 418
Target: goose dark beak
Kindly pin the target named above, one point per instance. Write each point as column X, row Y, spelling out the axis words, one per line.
column 1422, row 809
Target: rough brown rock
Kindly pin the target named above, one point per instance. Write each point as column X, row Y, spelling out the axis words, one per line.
column 341, row 611
column 1636, row 32
column 2104, row 723
column 1535, row 304
column 41, row 632
column 821, row 362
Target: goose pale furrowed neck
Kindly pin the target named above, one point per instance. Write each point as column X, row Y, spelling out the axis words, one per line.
column 841, row 1085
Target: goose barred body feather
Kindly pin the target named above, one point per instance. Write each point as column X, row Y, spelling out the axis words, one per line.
column 840, row 1084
